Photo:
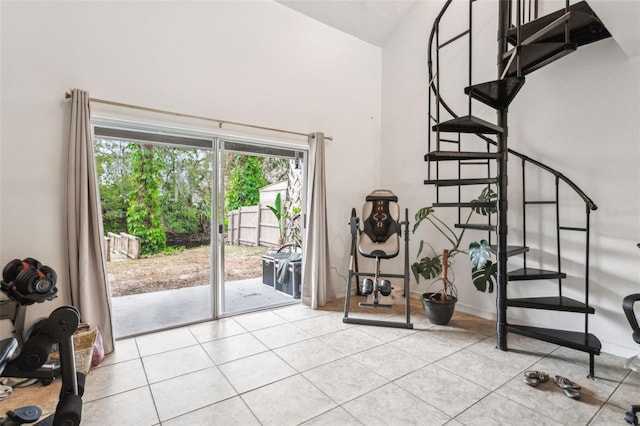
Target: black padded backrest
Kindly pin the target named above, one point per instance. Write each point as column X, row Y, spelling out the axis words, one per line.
column 380, row 225
column 627, row 306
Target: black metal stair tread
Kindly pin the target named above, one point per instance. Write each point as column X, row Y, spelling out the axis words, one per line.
column 511, row 250
column 585, row 342
column 537, row 55
column 523, row 274
column 498, row 93
column 584, row 27
column 459, row 155
column 541, row 202
column 459, row 182
column 467, row 204
column 476, row 226
column 468, row 124
column 555, row 303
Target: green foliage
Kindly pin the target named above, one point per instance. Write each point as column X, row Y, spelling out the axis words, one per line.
column 114, row 209
column 428, row 213
column 428, row 267
column 289, row 224
column 277, row 207
column 278, row 211
column 484, row 278
column 149, row 191
column 244, row 181
column 182, row 181
column 186, row 190
column 113, row 165
column 486, row 196
column 181, row 219
column 484, row 271
column 144, row 215
column 479, row 253
column 421, row 215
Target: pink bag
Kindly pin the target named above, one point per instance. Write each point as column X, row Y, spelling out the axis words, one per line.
column 98, row 350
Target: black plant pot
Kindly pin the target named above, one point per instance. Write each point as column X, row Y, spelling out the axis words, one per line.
column 438, row 311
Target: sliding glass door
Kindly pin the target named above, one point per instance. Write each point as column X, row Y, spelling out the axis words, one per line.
column 193, row 223
column 156, row 190
column 260, row 213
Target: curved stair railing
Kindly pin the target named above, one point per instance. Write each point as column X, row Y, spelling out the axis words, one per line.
column 536, row 42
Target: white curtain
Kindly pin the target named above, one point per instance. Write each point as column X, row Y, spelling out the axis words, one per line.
column 87, row 265
column 316, row 290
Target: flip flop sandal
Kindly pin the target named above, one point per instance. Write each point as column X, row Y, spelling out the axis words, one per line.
column 21, row 383
column 571, row 389
column 534, row 378
column 5, row 392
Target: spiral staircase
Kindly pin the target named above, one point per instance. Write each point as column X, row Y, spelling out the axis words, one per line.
column 477, row 155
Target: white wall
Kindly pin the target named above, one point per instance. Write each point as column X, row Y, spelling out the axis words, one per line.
column 578, row 115
column 248, row 61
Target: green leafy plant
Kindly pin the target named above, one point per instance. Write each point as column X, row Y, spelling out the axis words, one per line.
column 278, row 210
column 484, row 271
column 288, row 223
column 244, row 180
column 144, row 215
column 435, row 266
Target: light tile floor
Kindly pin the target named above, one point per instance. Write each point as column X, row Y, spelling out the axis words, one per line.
column 293, row 366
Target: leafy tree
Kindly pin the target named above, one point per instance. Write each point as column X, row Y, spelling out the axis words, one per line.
column 153, row 191
column 245, row 178
column 113, row 162
column 186, row 190
column 144, row 215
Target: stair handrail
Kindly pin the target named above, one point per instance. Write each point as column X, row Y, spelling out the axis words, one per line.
column 439, row 100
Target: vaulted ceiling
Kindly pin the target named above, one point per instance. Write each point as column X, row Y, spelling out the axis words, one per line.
column 370, row 20
column 375, row 20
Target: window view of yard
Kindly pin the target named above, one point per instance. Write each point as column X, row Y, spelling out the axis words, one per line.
column 160, row 198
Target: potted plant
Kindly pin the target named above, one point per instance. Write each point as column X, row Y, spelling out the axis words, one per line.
column 439, row 304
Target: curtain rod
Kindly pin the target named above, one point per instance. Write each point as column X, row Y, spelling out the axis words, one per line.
column 67, row 95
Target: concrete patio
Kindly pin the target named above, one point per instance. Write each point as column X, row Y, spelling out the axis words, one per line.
column 143, row 313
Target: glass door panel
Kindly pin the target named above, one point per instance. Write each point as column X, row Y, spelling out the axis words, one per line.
column 157, row 205
column 262, row 212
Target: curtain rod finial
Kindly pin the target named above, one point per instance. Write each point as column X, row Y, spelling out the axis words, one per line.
column 67, row 95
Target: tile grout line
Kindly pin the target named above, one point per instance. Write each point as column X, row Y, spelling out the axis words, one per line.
column 605, row 403
column 144, row 369
column 549, row 355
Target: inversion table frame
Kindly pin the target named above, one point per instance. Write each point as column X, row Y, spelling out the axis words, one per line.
column 354, row 273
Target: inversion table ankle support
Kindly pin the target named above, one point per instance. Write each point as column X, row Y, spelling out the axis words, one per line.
column 379, row 239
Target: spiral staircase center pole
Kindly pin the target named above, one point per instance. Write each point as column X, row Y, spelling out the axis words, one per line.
column 501, row 254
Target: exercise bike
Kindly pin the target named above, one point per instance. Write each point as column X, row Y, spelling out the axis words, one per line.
column 27, row 282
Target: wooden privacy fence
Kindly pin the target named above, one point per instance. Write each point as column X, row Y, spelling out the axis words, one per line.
column 253, row 226
column 122, row 243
